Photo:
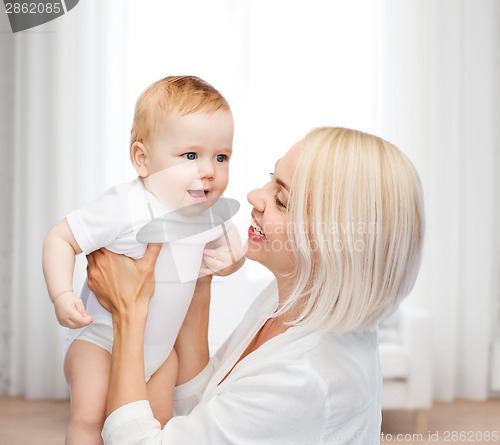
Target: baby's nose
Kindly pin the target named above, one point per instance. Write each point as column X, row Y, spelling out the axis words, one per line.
column 206, row 169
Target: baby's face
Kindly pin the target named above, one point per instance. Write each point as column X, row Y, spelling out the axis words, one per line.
column 188, row 160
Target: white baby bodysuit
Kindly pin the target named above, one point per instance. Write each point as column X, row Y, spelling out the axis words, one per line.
column 113, row 221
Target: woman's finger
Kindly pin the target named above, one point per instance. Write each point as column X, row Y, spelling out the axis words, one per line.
column 90, row 259
column 151, row 254
column 91, row 268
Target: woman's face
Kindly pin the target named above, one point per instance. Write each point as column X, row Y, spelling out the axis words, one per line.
column 268, row 235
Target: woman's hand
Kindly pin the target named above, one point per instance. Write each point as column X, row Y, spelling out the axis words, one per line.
column 121, row 283
column 124, row 287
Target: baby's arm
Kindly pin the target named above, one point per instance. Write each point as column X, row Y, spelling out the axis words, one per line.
column 224, row 255
column 59, row 251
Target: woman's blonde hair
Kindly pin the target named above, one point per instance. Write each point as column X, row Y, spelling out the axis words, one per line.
column 180, row 94
column 356, row 219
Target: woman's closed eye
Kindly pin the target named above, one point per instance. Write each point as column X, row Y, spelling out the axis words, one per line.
column 278, row 202
column 276, row 198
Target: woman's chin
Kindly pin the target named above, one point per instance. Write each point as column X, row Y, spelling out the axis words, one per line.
column 251, row 256
column 253, row 252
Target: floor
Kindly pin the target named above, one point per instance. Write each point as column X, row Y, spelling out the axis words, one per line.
column 43, row 423
column 461, row 422
column 33, row 422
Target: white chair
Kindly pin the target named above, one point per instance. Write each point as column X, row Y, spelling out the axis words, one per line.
column 406, row 362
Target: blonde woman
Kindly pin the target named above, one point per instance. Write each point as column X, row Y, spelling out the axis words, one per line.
column 340, row 225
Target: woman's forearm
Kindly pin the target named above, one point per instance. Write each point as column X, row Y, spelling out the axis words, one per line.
column 124, row 287
column 192, row 342
column 127, row 381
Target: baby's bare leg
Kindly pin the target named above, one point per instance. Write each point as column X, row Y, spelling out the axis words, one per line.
column 87, row 370
column 160, row 388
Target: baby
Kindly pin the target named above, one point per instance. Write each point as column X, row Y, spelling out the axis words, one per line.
column 181, row 143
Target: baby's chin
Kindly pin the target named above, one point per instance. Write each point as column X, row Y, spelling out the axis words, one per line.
column 197, row 208
column 194, row 209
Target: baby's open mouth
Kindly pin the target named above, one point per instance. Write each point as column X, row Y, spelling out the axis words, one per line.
column 198, row 194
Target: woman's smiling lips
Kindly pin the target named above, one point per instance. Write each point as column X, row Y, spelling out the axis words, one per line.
column 255, row 232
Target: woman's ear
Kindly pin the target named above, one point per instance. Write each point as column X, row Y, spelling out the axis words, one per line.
column 139, row 156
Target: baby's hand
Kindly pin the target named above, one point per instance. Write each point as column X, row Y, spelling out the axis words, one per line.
column 70, row 311
column 217, row 262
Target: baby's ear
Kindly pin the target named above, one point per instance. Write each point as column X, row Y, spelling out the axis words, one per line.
column 139, row 156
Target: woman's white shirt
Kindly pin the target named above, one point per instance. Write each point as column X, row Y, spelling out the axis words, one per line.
column 301, row 387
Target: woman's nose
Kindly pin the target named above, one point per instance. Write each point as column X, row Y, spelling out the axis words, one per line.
column 255, row 199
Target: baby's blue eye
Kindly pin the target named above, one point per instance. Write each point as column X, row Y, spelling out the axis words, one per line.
column 220, row 158
column 191, row 156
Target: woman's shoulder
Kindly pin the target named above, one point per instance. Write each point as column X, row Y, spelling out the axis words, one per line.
column 347, row 367
column 346, row 357
column 355, row 347
column 333, row 355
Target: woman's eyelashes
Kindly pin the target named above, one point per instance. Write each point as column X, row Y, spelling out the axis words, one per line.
column 276, row 198
column 278, row 202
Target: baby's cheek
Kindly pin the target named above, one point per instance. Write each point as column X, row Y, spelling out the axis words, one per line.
column 224, row 179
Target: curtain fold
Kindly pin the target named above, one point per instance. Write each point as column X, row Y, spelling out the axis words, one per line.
column 436, row 90
column 68, row 128
column 6, row 179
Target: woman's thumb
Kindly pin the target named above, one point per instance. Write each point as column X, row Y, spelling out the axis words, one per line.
column 151, row 254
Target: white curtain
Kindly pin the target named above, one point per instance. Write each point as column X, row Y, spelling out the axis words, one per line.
column 68, row 112
column 419, row 73
column 436, row 95
column 6, row 136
